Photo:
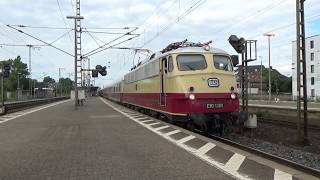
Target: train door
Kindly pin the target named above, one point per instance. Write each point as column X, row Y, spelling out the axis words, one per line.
column 163, row 75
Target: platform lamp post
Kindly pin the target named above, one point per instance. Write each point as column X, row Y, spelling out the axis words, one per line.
column 75, row 58
column 269, row 37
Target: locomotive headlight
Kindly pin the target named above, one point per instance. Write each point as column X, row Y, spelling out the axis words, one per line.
column 192, row 97
column 233, row 96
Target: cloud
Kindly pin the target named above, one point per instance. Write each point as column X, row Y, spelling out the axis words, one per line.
column 213, row 20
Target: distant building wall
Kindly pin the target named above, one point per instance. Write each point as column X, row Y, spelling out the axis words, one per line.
column 313, row 67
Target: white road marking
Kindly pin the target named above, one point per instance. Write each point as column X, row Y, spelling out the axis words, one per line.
column 35, row 110
column 280, row 175
column 172, row 132
column 7, row 116
column 153, row 124
column 140, row 118
column 199, row 153
column 162, row 127
column 136, row 115
column 185, row 139
column 235, row 162
column 147, row 120
column 205, row 148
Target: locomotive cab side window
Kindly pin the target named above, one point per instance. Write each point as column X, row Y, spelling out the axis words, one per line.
column 165, row 65
column 170, row 64
column 222, row 63
column 191, row 62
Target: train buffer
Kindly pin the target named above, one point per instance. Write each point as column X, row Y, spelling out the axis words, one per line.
column 103, row 140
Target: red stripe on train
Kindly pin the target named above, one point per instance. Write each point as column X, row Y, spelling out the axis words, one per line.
column 180, row 102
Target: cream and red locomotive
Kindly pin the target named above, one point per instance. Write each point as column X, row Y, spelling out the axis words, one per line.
column 188, row 82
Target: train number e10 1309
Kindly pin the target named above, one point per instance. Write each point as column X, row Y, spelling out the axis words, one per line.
column 217, row 105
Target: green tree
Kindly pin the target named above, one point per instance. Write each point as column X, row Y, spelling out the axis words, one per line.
column 279, row 82
column 18, row 69
column 64, row 85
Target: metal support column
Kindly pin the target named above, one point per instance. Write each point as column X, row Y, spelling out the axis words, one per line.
column 302, row 97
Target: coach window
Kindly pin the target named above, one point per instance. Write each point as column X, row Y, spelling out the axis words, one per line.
column 170, row 64
column 191, row 62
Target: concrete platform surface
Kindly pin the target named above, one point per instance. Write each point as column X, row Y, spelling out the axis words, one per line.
column 95, row 142
column 103, row 140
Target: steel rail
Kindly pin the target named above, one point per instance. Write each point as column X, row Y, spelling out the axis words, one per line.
column 268, row 156
column 20, row 105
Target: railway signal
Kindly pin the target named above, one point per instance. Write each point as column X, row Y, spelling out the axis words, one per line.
column 6, row 71
column 101, row 69
column 94, row 73
column 237, row 44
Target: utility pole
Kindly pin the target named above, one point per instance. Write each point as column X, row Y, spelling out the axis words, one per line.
column 30, row 70
column 302, row 96
column 77, row 51
column 30, row 46
column 269, row 36
column 261, row 78
column 18, row 87
column 89, row 73
column 2, row 89
column 60, row 84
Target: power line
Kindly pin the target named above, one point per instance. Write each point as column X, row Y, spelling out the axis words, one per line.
column 38, row 27
column 41, row 41
column 92, row 37
column 110, row 46
column 106, row 44
column 72, row 6
column 184, row 14
column 248, row 18
column 64, row 34
column 63, row 18
column 4, row 44
column 308, row 19
column 104, row 32
column 113, row 28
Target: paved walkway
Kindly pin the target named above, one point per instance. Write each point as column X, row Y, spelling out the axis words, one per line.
column 95, row 142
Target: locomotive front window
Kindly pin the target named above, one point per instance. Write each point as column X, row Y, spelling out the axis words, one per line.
column 191, row 62
column 222, row 63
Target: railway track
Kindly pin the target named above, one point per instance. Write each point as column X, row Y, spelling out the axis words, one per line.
column 266, row 155
column 285, row 123
column 21, row 105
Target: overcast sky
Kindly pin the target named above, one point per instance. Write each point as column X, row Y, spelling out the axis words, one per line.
column 160, row 22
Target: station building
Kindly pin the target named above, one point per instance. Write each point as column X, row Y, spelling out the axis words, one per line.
column 313, row 67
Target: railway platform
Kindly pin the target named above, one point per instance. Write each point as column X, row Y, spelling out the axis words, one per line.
column 103, row 140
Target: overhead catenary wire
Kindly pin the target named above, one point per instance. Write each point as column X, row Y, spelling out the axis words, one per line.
column 64, row 34
column 110, row 46
column 176, row 20
column 112, row 28
column 40, row 40
column 106, row 44
column 39, row 27
column 104, row 32
column 63, row 18
column 248, row 18
column 90, row 35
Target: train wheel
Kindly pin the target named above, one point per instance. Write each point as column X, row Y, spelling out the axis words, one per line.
column 190, row 125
